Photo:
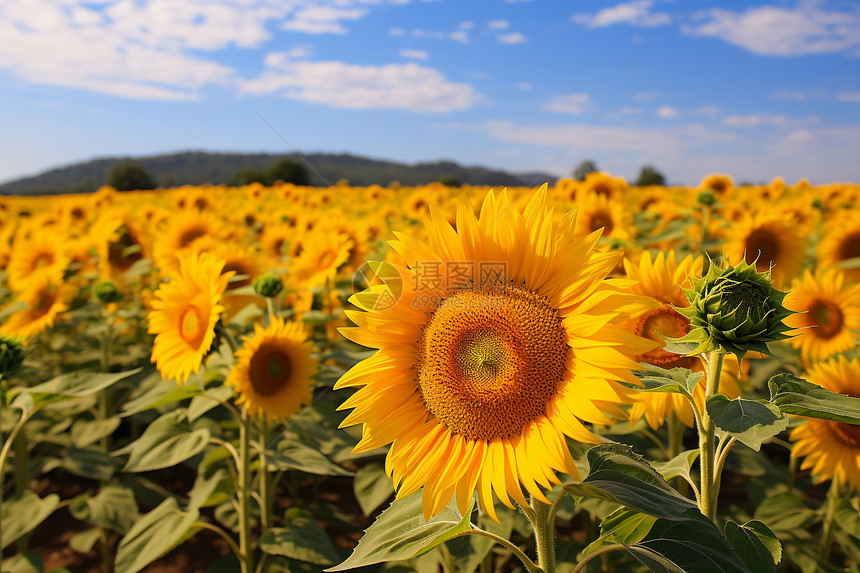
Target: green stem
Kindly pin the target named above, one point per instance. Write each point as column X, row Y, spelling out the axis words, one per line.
column 706, row 222
column 676, row 435
column 707, row 431
column 827, row 531
column 246, row 557
column 544, row 535
column 265, row 494
column 597, row 553
column 106, row 554
column 530, row 565
column 270, row 306
column 212, row 527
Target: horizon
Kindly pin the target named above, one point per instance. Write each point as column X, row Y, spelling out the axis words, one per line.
column 765, row 90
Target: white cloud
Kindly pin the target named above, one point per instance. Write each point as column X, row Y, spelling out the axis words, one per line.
column 645, row 96
column 667, row 112
column 850, row 97
column 466, row 25
column 570, row 103
column 779, row 31
column 525, row 86
column 397, row 32
column 755, row 120
column 513, row 38
column 341, row 85
column 459, row 36
column 636, row 13
column 322, row 19
column 414, row 54
column 499, row 25
column 845, row 96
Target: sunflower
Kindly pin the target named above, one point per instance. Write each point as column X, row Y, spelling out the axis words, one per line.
column 719, row 183
column 45, row 300
column 504, row 339
column 181, row 232
column 831, row 449
column 184, row 313
column 322, row 254
column 770, row 241
column 40, row 256
column 662, row 279
column 601, row 212
column 274, row 370
column 244, row 265
column 842, row 243
column 602, row 184
column 828, row 311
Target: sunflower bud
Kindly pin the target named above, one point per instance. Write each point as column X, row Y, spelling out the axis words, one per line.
column 11, row 355
column 268, row 286
column 107, row 292
column 707, row 198
column 734, row 309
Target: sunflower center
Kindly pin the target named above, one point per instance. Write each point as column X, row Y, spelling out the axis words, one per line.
column 269, row 370
column 827, row 318
column 660, row 322
column 43, row 303
column 849, row 247
column 191, row 326
column 763, row 245
column 848, row 434
column 602, row 220
column 490, row 360
column 43, row 260
column 240, row 268
column 191, row 235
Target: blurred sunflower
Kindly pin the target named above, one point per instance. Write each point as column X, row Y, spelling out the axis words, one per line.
column 770, row 241
column 828, row 311
column 831, row 449
column 42, row 255
column 602, row 184
column 323, row 253
column 480, row 378
column 181, row 232
column 45, row 300
column 719, row 183
column 274, row 370
column 842, row 243
column 662, row 279
column 184, row 313
column 601, row 212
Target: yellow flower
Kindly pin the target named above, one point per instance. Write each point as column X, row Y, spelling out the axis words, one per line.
column 662, row 279
column 40, row 256
column 841, row 243
column 770, row 241
column 184, row 313
column 719, row 183
column 45, row 300
column 602, row 212
column 274, row 370
column 496, row 342
column 322, row 254
column 831, row 449
column 828, row 310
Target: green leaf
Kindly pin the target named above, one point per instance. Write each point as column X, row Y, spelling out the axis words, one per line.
column 302, row 538
column 153, row 535
column 87, row 432
column 797, row 396
column 88, row 463
column 402, row 533
column 84, row 541
column 622, row 526
column 372, row 487
column 680, row 465
column 22, row 513
column 202, row 403
column 750, row 421
column 755, row 544
column 676, row 380
column 77, row 384
column 23, row 563
column 210, row 490
column 619, row 475
column 114, row 507
column 289, row 454
column 786, row 514
column 162, row 394
column 166, row 442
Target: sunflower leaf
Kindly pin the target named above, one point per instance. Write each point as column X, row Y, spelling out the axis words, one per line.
column 302, row 539
column 622, row 526
column 153, row 535
column 797, row 396
column 166, row 442
column 750, row 421
column 401, row 532
column 755, row 544
column 680, row 465
column 22, row 512
column 676, row 380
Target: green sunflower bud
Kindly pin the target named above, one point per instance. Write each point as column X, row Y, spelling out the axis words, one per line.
column 734, row 309
column 11, row 354
column 268, row 286
column 707, row 198
column 107, row 292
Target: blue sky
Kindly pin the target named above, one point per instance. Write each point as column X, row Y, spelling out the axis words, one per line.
column 753, row 89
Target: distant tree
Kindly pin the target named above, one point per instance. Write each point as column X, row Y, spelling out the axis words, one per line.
column 583, row 169
column 649, row 175
column 246, row 177
column 129, row 177
column 289, row 171
column 450, row 181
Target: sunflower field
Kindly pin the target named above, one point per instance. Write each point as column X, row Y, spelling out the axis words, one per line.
column 584, row 377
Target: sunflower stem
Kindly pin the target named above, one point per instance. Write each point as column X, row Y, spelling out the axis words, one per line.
column 544, row 535
column 265, row 494
column 707, row 431
column 246, row 558
column 530, row 565
column 597, row 553
column 827, row 531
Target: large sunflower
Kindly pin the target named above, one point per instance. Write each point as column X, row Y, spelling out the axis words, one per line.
column 842, row 243
column 770, row 241
column 827, row 310
column 662, row 279
column 505, row 338
column 831, row 449
column 184, row 313
column 274, row 370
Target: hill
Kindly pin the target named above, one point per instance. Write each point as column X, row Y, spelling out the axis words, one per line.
column 197, row 168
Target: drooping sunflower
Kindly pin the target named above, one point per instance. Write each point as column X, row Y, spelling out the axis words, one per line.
column 274, row 370
column 841, row 243
column 184, row 313
column 503, row 338
column 45, row 300
column 831, row 449
column 770, row 241
column 662, row 278
column 827, row 310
